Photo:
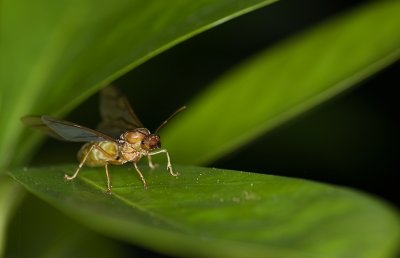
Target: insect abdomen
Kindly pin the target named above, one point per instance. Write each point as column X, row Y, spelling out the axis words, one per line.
column 96, row 157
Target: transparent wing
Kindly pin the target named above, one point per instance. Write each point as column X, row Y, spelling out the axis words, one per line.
column 64, row 130
column 116, row 113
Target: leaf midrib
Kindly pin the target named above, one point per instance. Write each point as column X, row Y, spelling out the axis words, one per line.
column 138, row 207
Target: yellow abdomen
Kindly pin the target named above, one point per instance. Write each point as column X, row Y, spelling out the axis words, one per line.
column 96, row 157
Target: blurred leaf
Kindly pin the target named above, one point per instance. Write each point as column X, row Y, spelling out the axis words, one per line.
column 285, row 81
column 219, row 213
column 10, row 196
column 54, row 54
column 39, row 230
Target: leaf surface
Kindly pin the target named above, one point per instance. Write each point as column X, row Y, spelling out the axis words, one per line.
column 38, row 230
column 10, row 196
column 206, row 212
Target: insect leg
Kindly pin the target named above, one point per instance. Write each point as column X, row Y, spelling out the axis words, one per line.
column 108, row 179
column 67, row 177
column 151, row 164
column 169, row 166
column 111, row 158
column 141, row 176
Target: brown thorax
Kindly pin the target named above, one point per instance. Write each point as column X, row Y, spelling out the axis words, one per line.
column 137, row 143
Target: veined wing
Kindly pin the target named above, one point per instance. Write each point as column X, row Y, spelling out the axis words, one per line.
column 116, row 113
column 64, row 130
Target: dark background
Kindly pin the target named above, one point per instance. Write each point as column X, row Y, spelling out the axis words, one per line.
column 352, row 140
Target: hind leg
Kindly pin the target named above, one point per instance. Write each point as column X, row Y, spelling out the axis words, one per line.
column 67, row 177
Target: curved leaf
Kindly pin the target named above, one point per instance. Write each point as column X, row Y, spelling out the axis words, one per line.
column 285, row 81
column 208, row 212
column 62, row 51
column 39, row 230
column 10, row 196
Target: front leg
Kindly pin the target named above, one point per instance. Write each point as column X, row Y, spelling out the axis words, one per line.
column 151, row 164
column 141, row 175
column 169, row 166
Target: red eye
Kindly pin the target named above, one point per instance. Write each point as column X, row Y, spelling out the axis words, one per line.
column 151, row 142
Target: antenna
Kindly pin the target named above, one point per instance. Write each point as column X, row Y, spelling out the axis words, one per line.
column 171, row 116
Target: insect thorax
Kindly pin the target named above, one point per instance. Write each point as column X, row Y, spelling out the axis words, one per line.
column 131, row 152
column 135, row 136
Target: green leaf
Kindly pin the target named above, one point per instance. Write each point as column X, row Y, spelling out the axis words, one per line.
column 208, row 212
column 10, row 196
column 54, row 54
column 285, row 81
column 39, row 230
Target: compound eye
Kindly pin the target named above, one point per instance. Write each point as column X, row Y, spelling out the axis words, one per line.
column 151, row 142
